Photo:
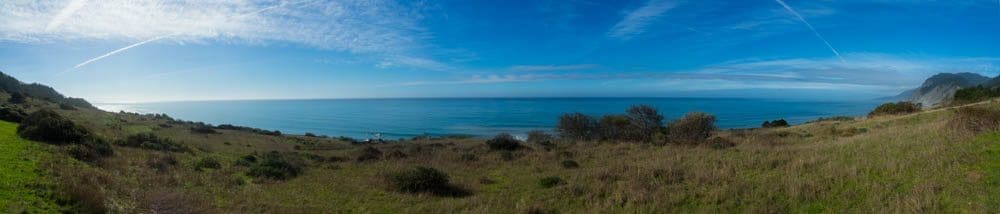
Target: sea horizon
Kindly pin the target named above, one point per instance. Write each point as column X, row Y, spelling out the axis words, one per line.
column 394, row 118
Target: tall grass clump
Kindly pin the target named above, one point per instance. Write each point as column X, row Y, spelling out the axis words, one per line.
column 897, row 108
column 976, row 119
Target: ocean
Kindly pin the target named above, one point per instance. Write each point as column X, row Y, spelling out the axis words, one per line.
column 404, row 118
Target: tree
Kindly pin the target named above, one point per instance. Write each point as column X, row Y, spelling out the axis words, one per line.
column 645, row 121
column 576, row 126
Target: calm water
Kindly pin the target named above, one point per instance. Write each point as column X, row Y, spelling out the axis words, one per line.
column 395, row 118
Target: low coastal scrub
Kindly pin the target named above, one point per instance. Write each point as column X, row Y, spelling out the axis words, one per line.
column 368, row 153
column 775, row 124
column 693, row 128
column 974, row 94
column 504, row 142
column 152, row 142
column 897, row 108
column 976, row 119
column 274, row 165
column 422, row 180
column 638, row 124
column 11, row 113
column 50, row 127
column 549, row 182
column 243, row 128
column 207, row 163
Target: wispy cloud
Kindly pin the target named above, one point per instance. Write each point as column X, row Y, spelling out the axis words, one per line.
column 880, row 73
column 799, row 16
column 636, row 22
column 552, row 67
column 117, row 51
column 378, row 27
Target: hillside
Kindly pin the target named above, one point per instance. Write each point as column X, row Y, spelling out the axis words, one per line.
column 940, row 88
column 907, row 163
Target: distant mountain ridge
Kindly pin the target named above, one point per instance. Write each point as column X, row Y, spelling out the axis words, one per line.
column 940, row 88
column 11, row 85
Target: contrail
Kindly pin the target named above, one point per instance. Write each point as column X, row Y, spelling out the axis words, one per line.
column 66, row 12
column 168, row 35
column 790, row 10
column 117, row 51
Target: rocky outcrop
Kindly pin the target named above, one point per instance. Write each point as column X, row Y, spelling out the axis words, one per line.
column 940, row 89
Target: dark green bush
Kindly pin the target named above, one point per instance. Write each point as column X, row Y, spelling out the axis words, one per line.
column 17, row 98
column 274, row 165
column 774, row 124
column 898, row 108
column 50, row 127
column 418, row 179
column 836, row 118
column 570, row 164
column 368, row 154
column 576, row 126
column 469, row 157
column 423, row 180
column 207, row 163
column 203, row 129
column 549, row 182
column 152, row 142
column 12, row 114
column 693, row 128
column 505, row 142
column 614, row 127
column 644, row 121
column 974, row 94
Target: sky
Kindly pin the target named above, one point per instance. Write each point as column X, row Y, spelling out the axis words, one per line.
column 143, row 51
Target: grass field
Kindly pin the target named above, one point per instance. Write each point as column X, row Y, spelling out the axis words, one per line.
column 20, row 174
column 912, row 163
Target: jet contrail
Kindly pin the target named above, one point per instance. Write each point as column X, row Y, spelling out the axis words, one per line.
column 119, row 50
column 168, row 35
column 790, row 10
column 66, row 12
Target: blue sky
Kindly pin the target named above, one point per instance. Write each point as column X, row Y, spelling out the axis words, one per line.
column 134, row 51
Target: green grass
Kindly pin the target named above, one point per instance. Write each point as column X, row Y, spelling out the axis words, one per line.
column 20, row 173
column 991, row 168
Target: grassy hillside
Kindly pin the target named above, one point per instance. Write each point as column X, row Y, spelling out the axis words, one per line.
column 20, row 173
column 913, row 163
column 942, row 160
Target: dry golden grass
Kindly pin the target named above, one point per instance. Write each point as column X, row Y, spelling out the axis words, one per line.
column 912, row 163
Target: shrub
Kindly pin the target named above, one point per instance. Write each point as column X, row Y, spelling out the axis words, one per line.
column 161, row 163
column 310, row 134
column 836, row 118
column 537, row 136
column 976, row 119
column 549, row 182
column 67, row 107
column 898, row 108
column 152, row 142
column 720, row 143
column 368, row 154
column 49, row 127
column 246, row 160
column 396, row 154
column 974, row 94
column 645, row 121
column 203, row 129
column 614, row 127
column 504, row 141
column 17, row 98
column 570, row 164
column 276, row 166
column 419, row 179
column 576, row 126
column 12, row 114
column 207, row 163
column 693, row 128
column 775, row 124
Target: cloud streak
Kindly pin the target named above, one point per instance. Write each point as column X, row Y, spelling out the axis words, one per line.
column 799, row 16
column 552, row 67
column 372, row 27
column 636, row 22
column 117, row 51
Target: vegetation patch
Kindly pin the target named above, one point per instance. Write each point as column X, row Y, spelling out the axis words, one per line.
column 368, row 153
column 18, row 174
column 276, row 166
column 505, row 142
column 976, row 119
column 209, row 162
column 11, row 113
column 897, row 108
column 423, row 180
column 152, row 142
column 693, row 128
column 48, row 126
column 549, row 182
column 570, row 164
column 775, row 124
